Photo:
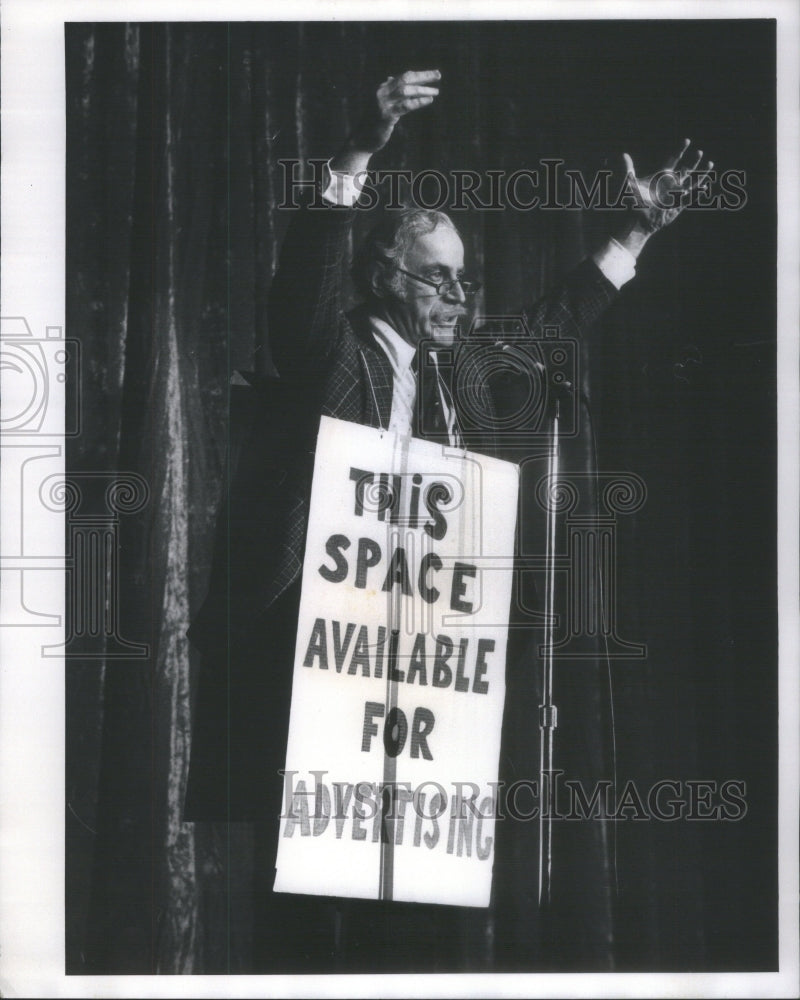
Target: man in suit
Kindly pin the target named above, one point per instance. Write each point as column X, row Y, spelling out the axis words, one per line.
column 363, row 366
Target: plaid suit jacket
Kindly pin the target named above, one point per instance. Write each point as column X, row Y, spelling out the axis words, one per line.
column 329, row 364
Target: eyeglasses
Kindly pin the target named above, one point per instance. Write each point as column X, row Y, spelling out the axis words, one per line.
column 447, row 287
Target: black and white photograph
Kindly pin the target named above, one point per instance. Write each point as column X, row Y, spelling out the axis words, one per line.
column 416, row 455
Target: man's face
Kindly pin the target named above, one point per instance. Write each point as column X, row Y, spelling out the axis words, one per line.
column 420, row 313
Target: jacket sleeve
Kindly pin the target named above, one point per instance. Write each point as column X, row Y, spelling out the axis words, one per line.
column 305, row 301
column 575, row 304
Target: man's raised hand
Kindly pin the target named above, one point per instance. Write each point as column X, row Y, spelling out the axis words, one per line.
column 395, row 97
column 411, row 90
column 661, row 197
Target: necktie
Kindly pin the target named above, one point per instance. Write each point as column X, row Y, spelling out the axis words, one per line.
column 429, row 419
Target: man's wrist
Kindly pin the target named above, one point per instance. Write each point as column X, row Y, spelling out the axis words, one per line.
column 351, row 159
column 359, row 147
column 634, row 236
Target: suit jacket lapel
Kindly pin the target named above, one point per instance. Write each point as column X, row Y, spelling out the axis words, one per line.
column 375, row 372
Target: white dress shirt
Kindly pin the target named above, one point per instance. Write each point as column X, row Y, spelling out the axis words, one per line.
column 399, row 354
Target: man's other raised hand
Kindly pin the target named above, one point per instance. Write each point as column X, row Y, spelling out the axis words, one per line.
column 394, row 98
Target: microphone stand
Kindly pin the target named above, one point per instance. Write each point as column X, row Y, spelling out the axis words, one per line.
column 548, row 713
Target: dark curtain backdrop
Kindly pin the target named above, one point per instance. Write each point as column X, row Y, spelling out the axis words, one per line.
column 175, row 133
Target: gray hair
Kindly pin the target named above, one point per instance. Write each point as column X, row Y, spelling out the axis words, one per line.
column 375, row 263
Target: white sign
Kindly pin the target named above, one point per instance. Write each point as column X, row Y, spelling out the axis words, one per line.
column 399, row 674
